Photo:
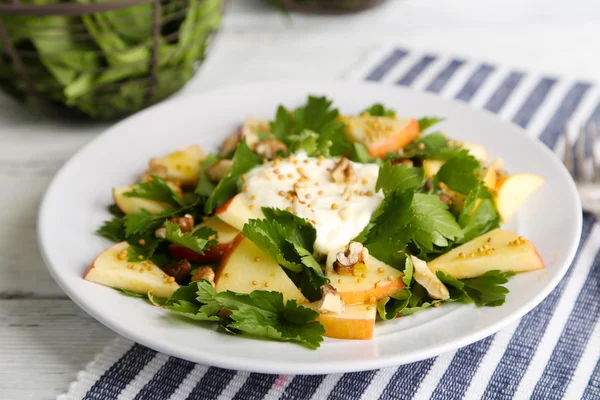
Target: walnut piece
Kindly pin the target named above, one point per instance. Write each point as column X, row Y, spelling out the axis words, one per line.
column 346, row 260
column 205, row 272
column 186, row 223
column 219, row 170
column 344, row 172
column 270, row 147
column 230, row 144
column 178, row 270
column 330, row 302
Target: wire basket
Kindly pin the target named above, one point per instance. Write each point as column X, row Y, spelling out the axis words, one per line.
column 103, row 58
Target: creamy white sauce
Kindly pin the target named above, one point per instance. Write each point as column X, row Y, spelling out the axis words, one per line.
column 339, row 211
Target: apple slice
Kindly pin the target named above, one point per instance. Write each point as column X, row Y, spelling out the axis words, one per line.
column 369, row 281
column 496, row 250
column 225, row 236
column 476, row 150
column 182, row 166
column 130, row 205
column 356, row 322
column 245, row 268
column 431, row 167
column 112, row 269
column 513, row 191
column 236, row 212
column 381, row 134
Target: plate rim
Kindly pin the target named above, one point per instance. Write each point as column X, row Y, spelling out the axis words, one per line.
column 291, row 367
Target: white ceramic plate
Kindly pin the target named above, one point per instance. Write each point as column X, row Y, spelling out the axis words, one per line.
column 75, row 206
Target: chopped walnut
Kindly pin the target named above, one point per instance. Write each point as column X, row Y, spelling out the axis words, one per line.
column 406, row 161
column 270, row 147
column 186, row 223
column 205, row 272
column 230, row 144
column 161, row 232
column 344, row 172
column 331, row 302
column 347, row 259
column 178, row 270
column 219, row 170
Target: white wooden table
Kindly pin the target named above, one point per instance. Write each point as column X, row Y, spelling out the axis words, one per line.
column 44, row 337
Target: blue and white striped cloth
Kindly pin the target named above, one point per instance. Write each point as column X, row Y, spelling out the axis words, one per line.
column 552, row 352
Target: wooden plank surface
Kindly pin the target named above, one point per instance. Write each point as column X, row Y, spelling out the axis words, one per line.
column 44, row 337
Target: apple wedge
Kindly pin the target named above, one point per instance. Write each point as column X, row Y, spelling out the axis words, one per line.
column 236, row 212
column 130, row 205
column 496, row 250
column 225, row 236
column 112, row 269
column 381, row 134
column 245, row 268
column 513, row 191
column 476, row 150
column 219, row 170
column 356, row 322
column 368, row 282
column 182, row 166
column 431, row 167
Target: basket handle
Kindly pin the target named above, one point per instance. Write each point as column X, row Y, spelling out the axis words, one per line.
column 66, row 9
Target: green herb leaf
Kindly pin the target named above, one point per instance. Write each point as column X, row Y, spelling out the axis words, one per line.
column 306, row 141
column 198, row 241
column 427, row 122
column 205, row 187
column 485, row 290
column 143, row 222
column 435, row 145
column 130, row 293
column 476, row 222
column 432, row 223
column 360, row 154
column 398, row 177
column 113, row 230
column 244, row 160
column 289, row 240
column 379, row 110
column 260, row 314
column 283, row 125
column 459, row 173
column 157, row 190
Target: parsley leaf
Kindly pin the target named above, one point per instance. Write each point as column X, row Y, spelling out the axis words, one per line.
column 485, row 290
column 205, row 187
column 306, row 141
column 432, row 223
column 459, row 173
column 244, row 160
column 317, row 116
column 435, row 145
column 405, row 217
column 143, row 222
column 158, row 190
column 389, row 307
column 113, row 230
column 398, row 177
column 289, row 240
column 197, row 241
column 479, row 214
column 263, row 314
column 360, row 154
column 260, row 314
column 283, row 125
column 379, row 110
column 138, row 252
column 427, row 122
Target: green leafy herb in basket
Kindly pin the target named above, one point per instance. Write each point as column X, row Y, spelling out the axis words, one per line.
column 105, row 64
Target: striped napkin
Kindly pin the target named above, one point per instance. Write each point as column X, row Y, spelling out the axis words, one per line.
column 552, row 352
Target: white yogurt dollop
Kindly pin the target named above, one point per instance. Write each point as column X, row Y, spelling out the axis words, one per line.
column 304, row 185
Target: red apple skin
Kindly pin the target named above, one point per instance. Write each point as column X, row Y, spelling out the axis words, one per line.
column 213, row 254
column 224, row 207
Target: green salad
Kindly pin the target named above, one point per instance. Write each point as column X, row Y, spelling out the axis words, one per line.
column 317, row 223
